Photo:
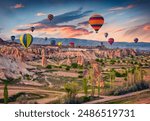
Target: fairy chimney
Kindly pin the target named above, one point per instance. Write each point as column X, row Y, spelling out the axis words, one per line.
column 68, row 61
column 44, row 60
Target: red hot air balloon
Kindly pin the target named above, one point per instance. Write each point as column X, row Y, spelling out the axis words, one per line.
column 96, row 21
column 32, row 29
column 71, row 44
column 50, row 17
column 111, row 41
column 136, row 40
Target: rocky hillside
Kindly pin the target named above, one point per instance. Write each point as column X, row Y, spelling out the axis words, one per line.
column 57, row 53
column 14, row 59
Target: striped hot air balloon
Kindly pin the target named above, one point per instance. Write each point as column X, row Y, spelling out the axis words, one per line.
column 96, row 21
column 26, row 40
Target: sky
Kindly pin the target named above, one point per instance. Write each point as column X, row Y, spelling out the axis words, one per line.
column 124, row 20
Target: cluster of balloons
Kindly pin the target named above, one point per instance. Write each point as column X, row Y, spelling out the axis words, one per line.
column 27, row 39
column 96, row 21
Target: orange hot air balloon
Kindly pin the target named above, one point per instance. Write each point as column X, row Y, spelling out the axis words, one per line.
column 96, row 21
column 50, row 17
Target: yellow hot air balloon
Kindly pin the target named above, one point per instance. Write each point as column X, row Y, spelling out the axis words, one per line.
column 26, row 40
column 96, row 21
column 59, row 44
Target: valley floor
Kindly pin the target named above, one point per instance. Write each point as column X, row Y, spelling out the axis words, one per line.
column 139, row 97
column 49, row 96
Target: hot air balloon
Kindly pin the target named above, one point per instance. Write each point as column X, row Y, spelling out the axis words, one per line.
column 102, row 44
column 13, row 38
column 59, row 44
column 26, row 40
column 96, row 21
column 106, row 35
column 32, row 29
column 53, row 42
column 111, row 41
column 46, row 38
column 71, row 44
column 136, row 40
column 50, row 17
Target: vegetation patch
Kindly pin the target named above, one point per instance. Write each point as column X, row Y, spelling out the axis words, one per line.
column 135, row 87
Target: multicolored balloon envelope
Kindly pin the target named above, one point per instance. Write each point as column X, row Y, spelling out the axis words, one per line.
column 26, row 40
column 111, row 41
column 136, row 40
column 96, row 21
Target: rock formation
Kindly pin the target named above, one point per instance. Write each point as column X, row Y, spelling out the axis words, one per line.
column 44, row 60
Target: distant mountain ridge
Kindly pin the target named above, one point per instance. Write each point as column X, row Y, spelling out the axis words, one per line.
column 83, row 42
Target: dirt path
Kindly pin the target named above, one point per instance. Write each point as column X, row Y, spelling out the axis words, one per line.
column 109, row 98
column 51, row 95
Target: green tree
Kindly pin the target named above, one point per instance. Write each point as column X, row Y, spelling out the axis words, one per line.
column 5, row 91
column 72, row 89
column 85, row 86
column 74, row 65
column 112, row 77
column 92, row 80
column 99, row 79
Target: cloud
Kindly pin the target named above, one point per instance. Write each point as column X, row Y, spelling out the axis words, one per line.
column 17, row 6
column 66, row 17
column 40, row 14
column 122, row 8
column 147, row 27
column 120, row 30
column 141, row 29
column 84, row 23
column 64, row 31
column 56, row 27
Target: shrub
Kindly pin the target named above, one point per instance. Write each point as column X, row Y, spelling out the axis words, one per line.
column 74, row 65
column 80, row 76
column 97, row 60
column 80, row 72
column 124, row 90
column 67, row 68
column 60, row 66
column 112, row 61
column 119, row 74
column 49, row 67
